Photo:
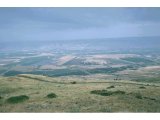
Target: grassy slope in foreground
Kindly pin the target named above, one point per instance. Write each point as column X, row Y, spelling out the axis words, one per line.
column 77, row 97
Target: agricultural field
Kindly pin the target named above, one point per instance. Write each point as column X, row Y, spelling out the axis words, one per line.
column 63, row 82
column 64, row 64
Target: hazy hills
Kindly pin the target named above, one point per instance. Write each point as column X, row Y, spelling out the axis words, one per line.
column 84, row 44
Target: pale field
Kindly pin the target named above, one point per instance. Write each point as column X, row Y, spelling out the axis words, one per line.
column 65, row 59
column 77, row 97
column 150, row 68
column 149, row 71
column 103, row 59
column 23, row 68
column 96, row 61
column 51, row 67
column 113, row 56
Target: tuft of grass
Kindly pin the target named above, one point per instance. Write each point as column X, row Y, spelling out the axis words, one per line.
column 17, row 99
column 52, row 95
column 110, row 87
column 106, row 93
column 142, row 87
column 74, row 82
column 1, row 97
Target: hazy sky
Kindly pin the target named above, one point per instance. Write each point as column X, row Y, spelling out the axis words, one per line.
column 23, row 24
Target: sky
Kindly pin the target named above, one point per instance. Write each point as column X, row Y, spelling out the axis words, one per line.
column 41, row 24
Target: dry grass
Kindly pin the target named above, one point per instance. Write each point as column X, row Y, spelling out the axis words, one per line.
column 77, row 97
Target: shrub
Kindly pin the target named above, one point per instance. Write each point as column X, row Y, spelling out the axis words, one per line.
column 152, row 99
column 110, row 87
column 139, row 96
column 17, row 99
column 119, row 92
column 142, row 87
column 52, row 95
column 106, row 93
column 1, row 97
column 74, row 82
column 149, row 98
column 101, row 92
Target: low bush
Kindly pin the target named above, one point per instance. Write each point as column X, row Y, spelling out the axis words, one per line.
column 101, row 92
column 107, row 93
column 118, row 92
column 142, row 87
column 152, row 98
column 139, row 96
column 1, row 97
column 74, row 82
column 17, row 99
column 149, row 98
column 110, row 87
column 52, row 95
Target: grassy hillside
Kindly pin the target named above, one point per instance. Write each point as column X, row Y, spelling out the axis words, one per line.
column 35, row 93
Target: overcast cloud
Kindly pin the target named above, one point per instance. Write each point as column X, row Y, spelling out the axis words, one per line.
column 23, row 24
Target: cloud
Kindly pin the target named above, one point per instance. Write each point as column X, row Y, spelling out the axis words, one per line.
column 23, row 24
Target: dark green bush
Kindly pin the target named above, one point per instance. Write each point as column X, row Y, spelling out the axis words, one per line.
column 152, row 99
column 52, row 95
column 74, row 82
column 142, row 87
column 139, row 96
column 118, row 92
column 149, row 98
column 101, row 92
column 110, row 87
column 1, row 97
column 17, row 99
column 106, row 93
